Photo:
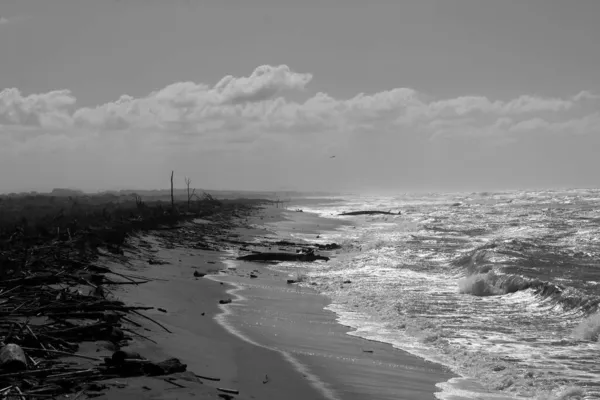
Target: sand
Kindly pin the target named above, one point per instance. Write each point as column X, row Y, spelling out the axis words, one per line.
column 274, row 341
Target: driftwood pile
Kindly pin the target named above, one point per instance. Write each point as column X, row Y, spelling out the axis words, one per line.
column 48, row 307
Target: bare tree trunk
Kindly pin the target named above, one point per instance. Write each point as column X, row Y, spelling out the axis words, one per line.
column 188, row 182
column 172, row 198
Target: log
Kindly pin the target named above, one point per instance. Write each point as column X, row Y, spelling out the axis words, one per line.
column 309, row 257
column 208, row 378
column 369, row 213
column 231, row 391
column 12, row 358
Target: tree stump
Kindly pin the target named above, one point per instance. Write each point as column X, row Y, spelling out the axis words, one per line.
column 12, row 358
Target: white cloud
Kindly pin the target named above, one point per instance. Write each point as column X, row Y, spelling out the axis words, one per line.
column 47, row 110
column 257, row 103
column 253, row 120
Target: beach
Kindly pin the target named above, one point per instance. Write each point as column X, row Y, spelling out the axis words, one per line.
column 274, row 340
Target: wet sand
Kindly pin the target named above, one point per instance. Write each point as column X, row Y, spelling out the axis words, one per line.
column 292, row 320
column 274, row 341
column 198, row 340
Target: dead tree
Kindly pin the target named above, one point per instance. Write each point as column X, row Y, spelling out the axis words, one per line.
column 139, row 203
column 172, row 198
column 188, row 181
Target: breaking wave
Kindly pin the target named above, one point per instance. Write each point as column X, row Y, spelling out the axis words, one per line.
column 485, row 279
column 502, row 288
column 589, row 328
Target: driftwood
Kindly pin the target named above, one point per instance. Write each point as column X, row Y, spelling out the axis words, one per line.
column 47, row 307
column 370, row 213
column 231, row 391
column 208, row 378
column 307, row 247
column 307, row 257
column 170, row 380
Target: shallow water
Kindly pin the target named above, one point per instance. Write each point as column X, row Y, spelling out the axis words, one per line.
column 290, row 319
column 503, row 288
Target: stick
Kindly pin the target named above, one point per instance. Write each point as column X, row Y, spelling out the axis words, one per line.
column 20, row 393
column 168, row 380
column 131, row 322
column 25, row 373
column 35, row 337
column 137, row 334
column 67, row 374
column 150, row 319
column 6, row 389
column 63, row 353
column 78, row 395
column 10, row 290
column 208, row 378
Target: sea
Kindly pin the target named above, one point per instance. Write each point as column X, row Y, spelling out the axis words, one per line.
column 502, row 288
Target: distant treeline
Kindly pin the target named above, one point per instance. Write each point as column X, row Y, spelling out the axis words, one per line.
column 178, row 193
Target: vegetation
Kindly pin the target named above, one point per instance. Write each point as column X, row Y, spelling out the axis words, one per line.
column 87, row 222
column 48, row 251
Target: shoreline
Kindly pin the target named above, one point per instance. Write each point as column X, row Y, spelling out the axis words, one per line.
column 332, row 352
column 190, row 304
column 216, row 344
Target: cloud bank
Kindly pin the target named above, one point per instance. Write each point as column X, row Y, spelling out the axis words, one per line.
column 248, row 132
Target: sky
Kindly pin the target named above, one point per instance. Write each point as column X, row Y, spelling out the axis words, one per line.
column 435, row 95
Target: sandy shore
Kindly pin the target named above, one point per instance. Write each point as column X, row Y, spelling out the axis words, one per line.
column 274, row 341
column 292, row 320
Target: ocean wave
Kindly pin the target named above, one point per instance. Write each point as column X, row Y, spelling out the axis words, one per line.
column 505, row 296
column 491, row 284
column 484, row 277
column 589, row 328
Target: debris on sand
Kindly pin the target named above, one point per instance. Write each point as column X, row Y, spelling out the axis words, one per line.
column 54, row 295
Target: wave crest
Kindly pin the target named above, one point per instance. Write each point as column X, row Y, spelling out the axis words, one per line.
column 491, row 284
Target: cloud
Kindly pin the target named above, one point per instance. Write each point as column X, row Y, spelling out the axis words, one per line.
column 257, row 103
column 186, row 105
column 47, row 110
column 3, row 20
column 253, row 120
